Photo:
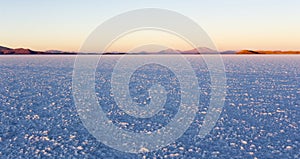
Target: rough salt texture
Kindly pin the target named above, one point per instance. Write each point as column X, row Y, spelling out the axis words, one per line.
column 260, row 119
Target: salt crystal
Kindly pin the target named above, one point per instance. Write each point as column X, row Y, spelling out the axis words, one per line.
column 244, row 142
column 288, row 147
column 79, row 148
column 143, row 150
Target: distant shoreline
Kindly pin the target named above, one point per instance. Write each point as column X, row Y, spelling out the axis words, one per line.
column 203, row 50
column 218, row 53
column 132, row 54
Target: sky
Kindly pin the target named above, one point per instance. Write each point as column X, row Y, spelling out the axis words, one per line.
column 231, row 24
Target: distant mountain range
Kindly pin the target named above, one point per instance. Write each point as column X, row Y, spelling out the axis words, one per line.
column 5, row 50
column 22, row 51
column 200, row 50
column 266, row 52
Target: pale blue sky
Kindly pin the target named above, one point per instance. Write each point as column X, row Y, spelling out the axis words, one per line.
column 232, row 24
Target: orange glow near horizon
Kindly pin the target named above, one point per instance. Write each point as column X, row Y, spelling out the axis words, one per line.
column 137, row 39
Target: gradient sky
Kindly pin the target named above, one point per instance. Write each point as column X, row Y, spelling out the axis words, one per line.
column 232, row 24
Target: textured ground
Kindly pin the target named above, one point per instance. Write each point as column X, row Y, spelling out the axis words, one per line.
column 260, row 119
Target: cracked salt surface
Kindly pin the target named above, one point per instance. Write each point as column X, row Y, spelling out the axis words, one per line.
column 260, row 119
